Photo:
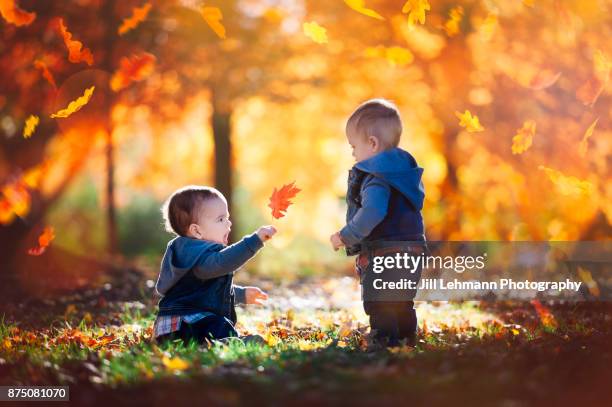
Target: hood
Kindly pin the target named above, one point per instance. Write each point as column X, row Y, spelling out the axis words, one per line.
column 182, row 254
column 399, row 169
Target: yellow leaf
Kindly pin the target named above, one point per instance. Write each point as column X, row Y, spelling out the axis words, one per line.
column 271, row 340
column 524, row 137
column 213, row 17
column 451, row 26
column 175, row 363
column 584, row 145
column 469, row 121
column 416, row 11
column 315, row 32
column 359, row 6
column 342, row 344
column 30, row 125
column 75, row 105
column 567, row 185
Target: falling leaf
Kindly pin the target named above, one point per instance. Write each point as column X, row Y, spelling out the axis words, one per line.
column 588, row 280
column 524, row 137
column 279, row 201
column 315, row 32
column 451, row 26
column 359, row 6
column 139, row 14
column 75, row 105
column 584, row 144
column 546, row 317
column 133, row 69
column 30, row 125
column 544, row 79
column 15, row 15
column 40, row 65
column 469, row 121
column 44, row 240
column 76, row 51
column 416, row 11
column 568, row 185
column 213, row 17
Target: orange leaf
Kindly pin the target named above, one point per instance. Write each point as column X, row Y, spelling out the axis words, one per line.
column 14, row 15
column 279, row 201
column 76, row 51
column 40, row 65
column 44, row 240
column 583, row 146
column 213, row 17
column 546, row 317
column 133, row 69
column 139, row 14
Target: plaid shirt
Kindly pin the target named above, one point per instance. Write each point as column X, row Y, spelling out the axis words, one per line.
column 171, row 323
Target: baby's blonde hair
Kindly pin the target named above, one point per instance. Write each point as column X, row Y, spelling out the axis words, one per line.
column 377, row 118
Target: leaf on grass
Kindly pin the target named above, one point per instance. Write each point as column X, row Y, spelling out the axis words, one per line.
column 15, row 15
column 44, row 240
column 546, row 317
column 359, row 6
column 524, row 137
column 41, row 66
column 76, row 51
column 132, row 69
column 175, row 363
column 280, row 199
column 139, row 14
column 30, row 125
column 315, row 32
column 469, row 121
column 75, row 105
column 416, row 11
column 213, row 17
column 584, row 143
column 567, row 185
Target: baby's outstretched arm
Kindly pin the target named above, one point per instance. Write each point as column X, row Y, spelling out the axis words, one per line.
column 249, row 295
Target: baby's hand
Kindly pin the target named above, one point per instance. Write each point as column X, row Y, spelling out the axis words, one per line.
column 266, row 232
column 336, row 241
column 254, row 295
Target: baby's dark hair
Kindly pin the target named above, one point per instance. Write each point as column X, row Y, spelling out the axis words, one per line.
column 181, row 208
column 377, row 118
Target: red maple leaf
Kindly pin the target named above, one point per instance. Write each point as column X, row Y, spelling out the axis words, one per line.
column 279, row 201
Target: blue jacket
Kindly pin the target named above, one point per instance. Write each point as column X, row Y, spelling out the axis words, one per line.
column 197, row 275
column 385, row 196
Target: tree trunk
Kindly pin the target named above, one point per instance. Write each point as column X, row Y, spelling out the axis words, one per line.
column 221, row 125
column 107, row 64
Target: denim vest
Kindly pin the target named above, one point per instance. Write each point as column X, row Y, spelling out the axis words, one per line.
column 191, row 294
column 403, row 221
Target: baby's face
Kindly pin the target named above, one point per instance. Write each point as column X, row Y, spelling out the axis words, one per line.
column 214, row 223
column 363, row 148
